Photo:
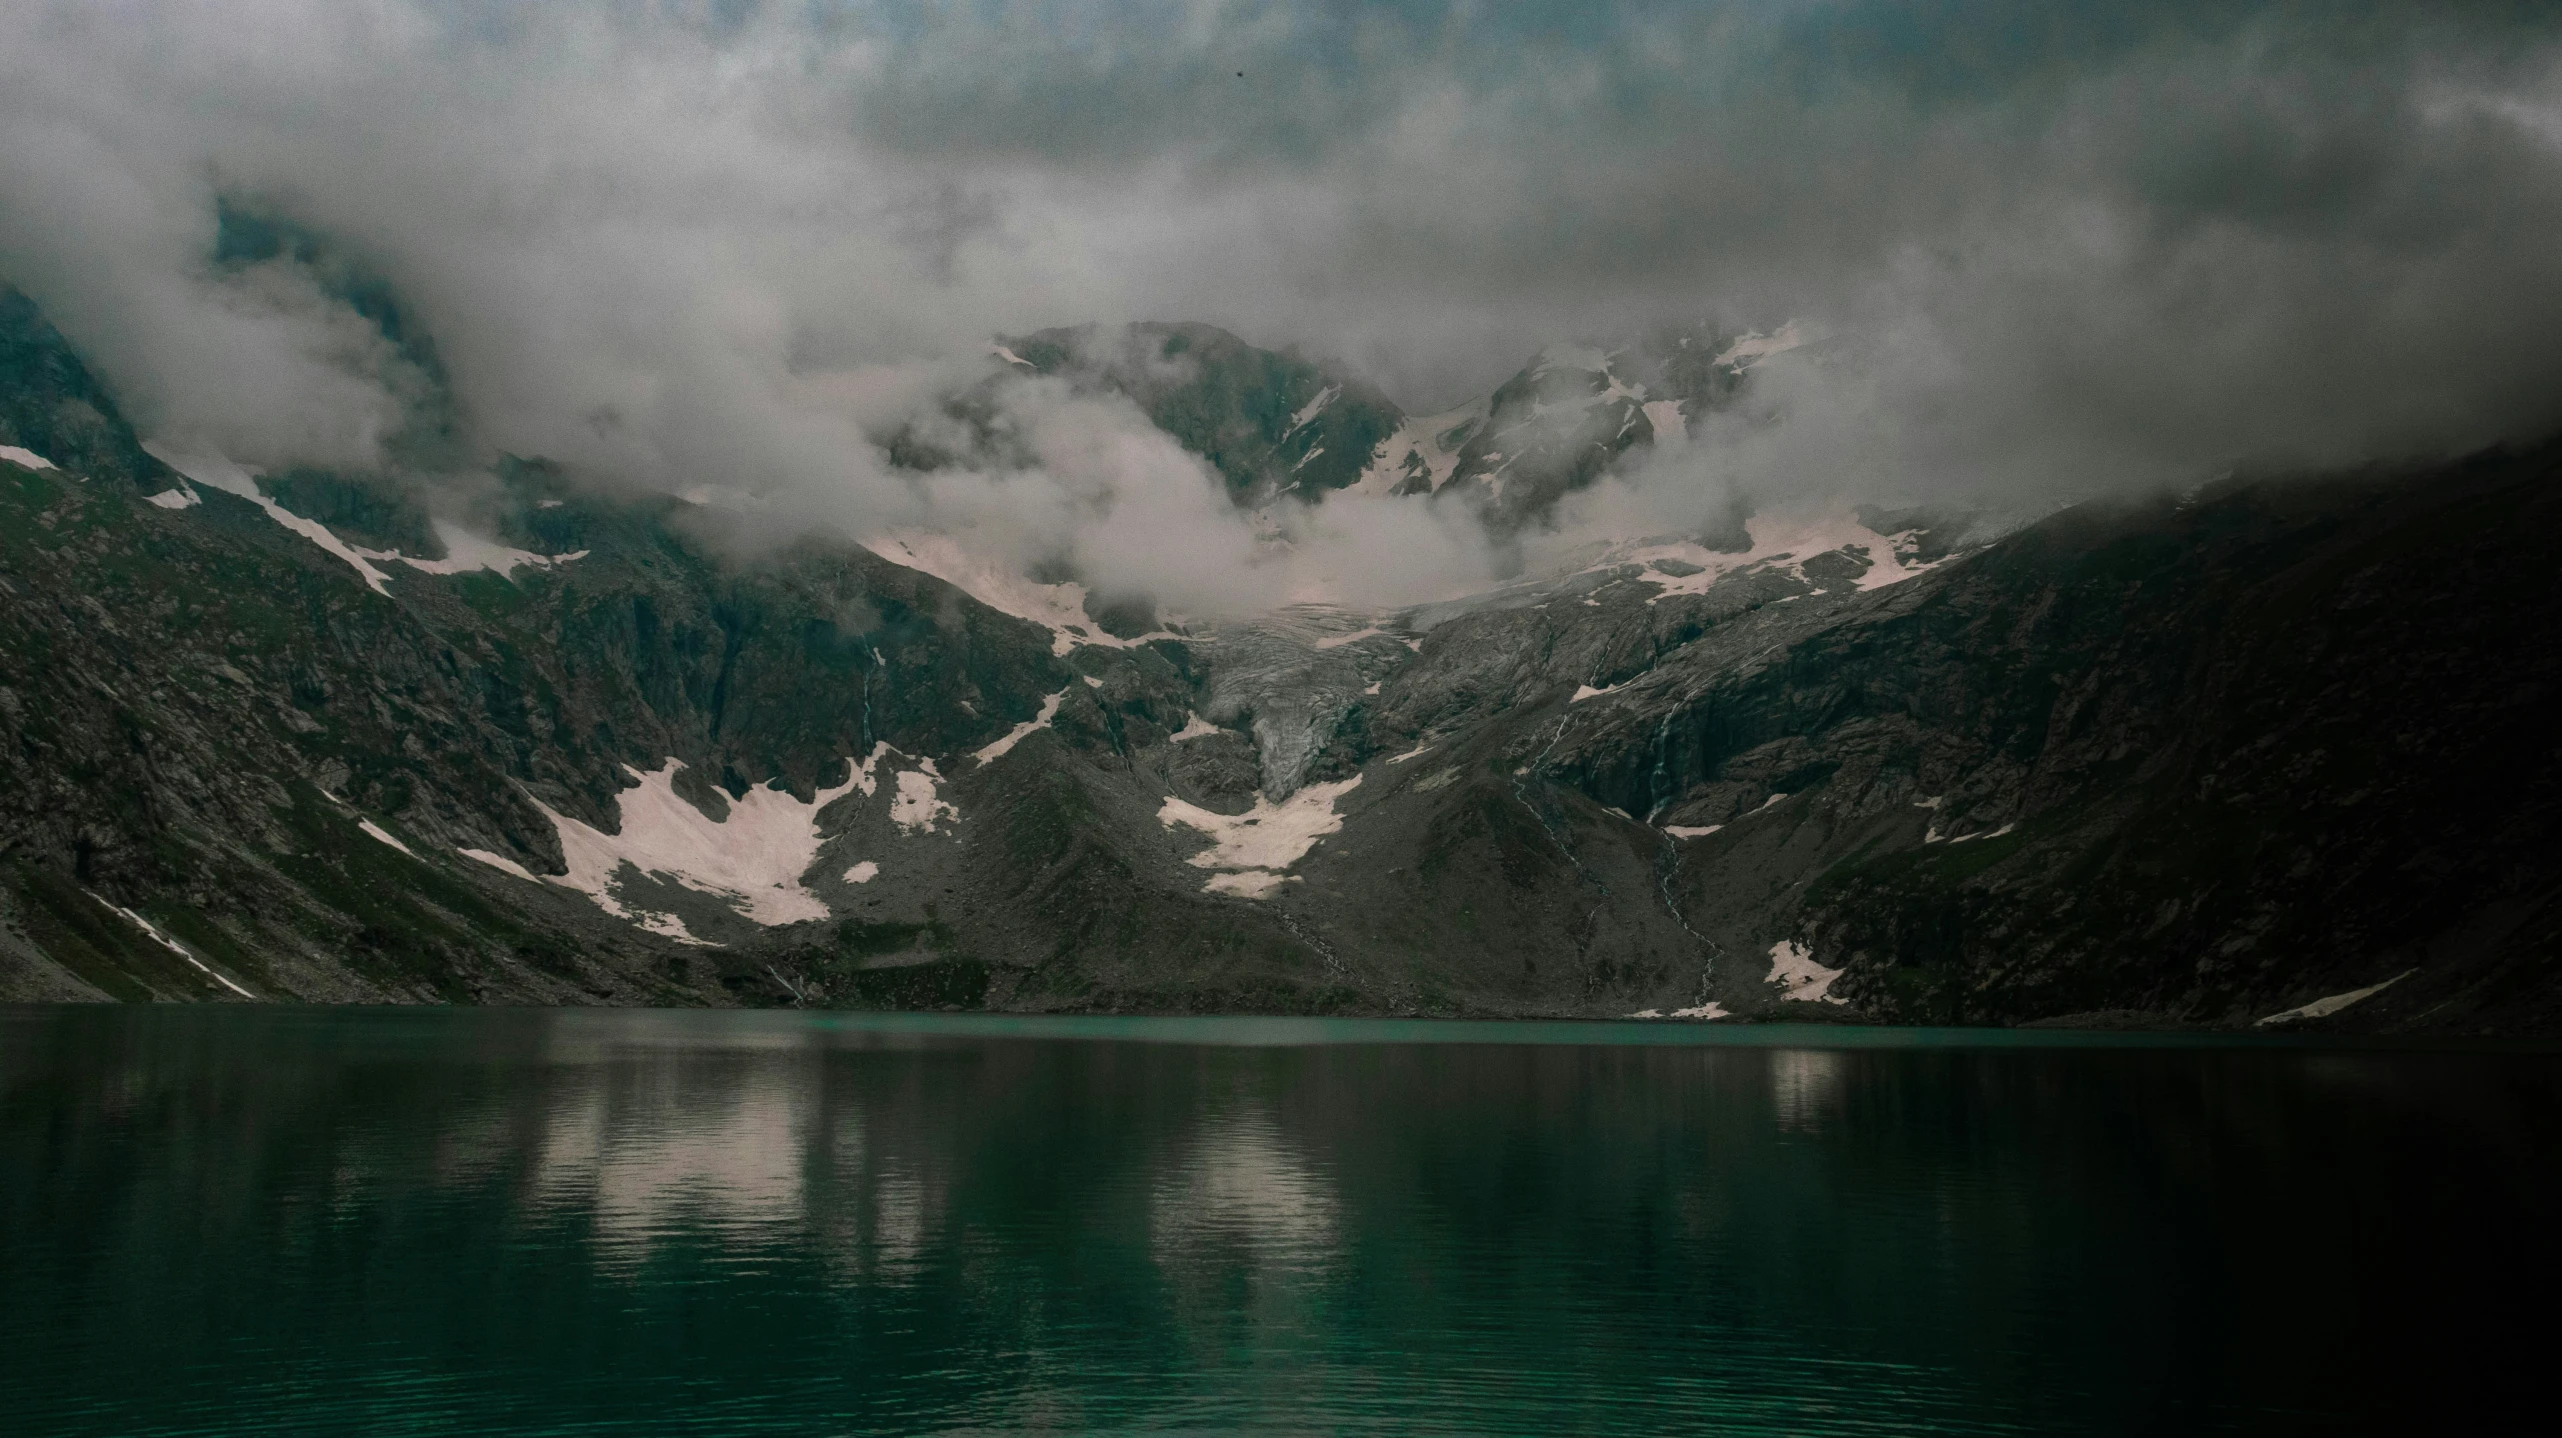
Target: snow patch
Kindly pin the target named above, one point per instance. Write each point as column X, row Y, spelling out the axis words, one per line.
column 1586, row 691
column 862, row 873
column 2324, row 1008
column 753, row 859
column 1249, row 884
column 1782, row 545
column 1020, row 732
column 1687, row 831
column 1009, row 356
column 152, row 932
column 1310, row 411
column 918, row 805
column 1758, row 346
column 1195, row 727
column 1416, row 752
column 1337, row 641
column 501, row 863
column 668, row 926
column 1793, row 968
column 466, row 551
column 29, row 459
column 180, row 497
column 1701, row 1011
column 1419, row 440
column 1059, row 608
column 1671, row 430
column 377, row 830
column 215, row 472
column 1268, row 837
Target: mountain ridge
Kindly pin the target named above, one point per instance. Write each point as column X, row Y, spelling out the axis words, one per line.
column 1845, row 772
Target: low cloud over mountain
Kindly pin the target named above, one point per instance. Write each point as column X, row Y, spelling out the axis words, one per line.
column 734, row 245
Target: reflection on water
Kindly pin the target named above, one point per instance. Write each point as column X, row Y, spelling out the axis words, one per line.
column 665, row 1148
column 279, row 1221
column 1802, row 1083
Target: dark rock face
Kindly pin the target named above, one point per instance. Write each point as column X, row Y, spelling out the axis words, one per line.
column 1573, row 415
column 50, row 404
column 2203, row 760
column 1270, row 423
column 2190, row 762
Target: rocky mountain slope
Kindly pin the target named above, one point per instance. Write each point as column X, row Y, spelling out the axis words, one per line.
column 2215, row 760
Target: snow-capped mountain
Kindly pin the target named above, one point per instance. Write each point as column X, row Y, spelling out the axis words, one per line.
column 2226, row 759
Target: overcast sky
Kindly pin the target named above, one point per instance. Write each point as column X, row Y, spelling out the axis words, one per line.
column 2062, row 246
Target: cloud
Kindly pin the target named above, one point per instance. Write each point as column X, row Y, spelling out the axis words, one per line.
column 720, row 241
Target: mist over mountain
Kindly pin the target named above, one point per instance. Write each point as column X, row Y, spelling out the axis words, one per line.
column 687, row 244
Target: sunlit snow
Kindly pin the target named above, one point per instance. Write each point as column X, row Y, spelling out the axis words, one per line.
column 25, row 459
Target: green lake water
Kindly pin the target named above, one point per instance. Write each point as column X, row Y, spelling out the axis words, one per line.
column 287, row 1221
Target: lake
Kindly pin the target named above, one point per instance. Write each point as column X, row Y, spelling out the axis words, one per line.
column 244, row 1220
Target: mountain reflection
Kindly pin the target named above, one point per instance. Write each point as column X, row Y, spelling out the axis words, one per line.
column 1802, row 1083
column 899, row 1230
column 647, row 1150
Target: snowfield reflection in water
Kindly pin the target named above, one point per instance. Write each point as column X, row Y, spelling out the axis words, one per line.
column 737, row 1223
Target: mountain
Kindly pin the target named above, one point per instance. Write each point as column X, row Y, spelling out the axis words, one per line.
column 2276, row 750
column 1571, row 415
column 1271, row 423
column 1274, row 424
